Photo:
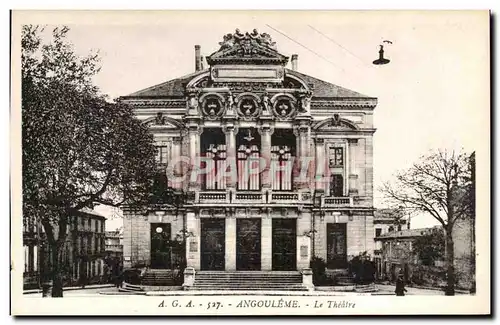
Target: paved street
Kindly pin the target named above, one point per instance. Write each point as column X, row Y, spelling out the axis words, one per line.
column 80, row 292
column 387, row 288
column 383, row 290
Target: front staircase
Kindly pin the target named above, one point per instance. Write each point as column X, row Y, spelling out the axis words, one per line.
column 248, row 281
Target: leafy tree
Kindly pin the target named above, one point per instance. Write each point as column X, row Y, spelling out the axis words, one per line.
column 438, row 184
column 78, row 149
column 430, row 247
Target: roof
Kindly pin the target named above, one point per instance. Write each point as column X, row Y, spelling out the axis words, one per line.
column 385, row 213
column 171, row 88
column 323, row 89
column 407, row 233
column 175, row 88
column 92, row 212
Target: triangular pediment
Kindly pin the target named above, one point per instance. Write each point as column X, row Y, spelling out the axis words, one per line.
column 247, row 48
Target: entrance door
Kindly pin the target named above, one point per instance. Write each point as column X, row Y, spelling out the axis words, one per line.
column 336, row 245
column 161, row 250
column 248, row 244
column 284, row 244
column 213, row 238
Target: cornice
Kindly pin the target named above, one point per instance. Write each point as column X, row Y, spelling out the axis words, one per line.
column 368, row 103
column 150, row 103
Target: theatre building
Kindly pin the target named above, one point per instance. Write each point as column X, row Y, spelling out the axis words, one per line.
column 280, row 165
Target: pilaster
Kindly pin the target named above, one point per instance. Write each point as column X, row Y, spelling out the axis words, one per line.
column 266, row 258
column 193, row 242
column 230, row 254
column 265, row 131
column 302, row 131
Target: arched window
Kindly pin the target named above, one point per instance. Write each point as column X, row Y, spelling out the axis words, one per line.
column 213, row 162
column 283, row 145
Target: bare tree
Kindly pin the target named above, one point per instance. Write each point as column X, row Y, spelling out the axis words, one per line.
column 439, row 184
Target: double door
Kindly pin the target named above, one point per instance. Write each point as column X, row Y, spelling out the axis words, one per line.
column 284, row 238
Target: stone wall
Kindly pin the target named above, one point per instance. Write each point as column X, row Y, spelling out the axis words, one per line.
column 463, row 241
column 137, row 235
column 359, row 234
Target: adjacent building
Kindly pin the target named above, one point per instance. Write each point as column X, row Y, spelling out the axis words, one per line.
column 82, row 254
column 114, row 253
column 385, row 221
column 397, row 254
column 277, row 165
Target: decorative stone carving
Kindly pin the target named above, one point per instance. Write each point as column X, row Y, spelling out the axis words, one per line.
column 212, row 105
column 305, row 102
column 336, row 120
column 247, row 40
column 192, row 101
column 160, row 119
column 265, row 104
column 248, row 105
column 283, row 108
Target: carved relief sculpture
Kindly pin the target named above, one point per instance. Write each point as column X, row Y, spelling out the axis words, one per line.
column 265, row 104
column 160, row 119
column 230, row 104
column 305, row 103
column 192, row 101
column 336, row 120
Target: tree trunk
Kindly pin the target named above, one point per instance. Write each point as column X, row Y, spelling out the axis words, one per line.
column 57, row 281
column 450, row 267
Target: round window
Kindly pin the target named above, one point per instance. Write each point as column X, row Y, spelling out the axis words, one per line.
column 159, row 230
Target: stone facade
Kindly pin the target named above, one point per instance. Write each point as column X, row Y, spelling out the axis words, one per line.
column 247, row 106
column 82, row 254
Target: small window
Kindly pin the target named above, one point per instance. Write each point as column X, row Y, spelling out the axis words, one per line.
column 162, row 154
column 337, row 157
column 378, row 232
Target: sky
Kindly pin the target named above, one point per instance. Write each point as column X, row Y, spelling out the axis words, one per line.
column 433, row 94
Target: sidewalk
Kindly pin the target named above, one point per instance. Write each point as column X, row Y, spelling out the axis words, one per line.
column 90, row 286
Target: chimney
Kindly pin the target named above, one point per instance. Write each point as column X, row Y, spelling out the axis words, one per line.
column 197, row 58
column 295, row 57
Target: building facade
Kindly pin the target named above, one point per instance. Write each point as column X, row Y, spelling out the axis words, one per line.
column 277, row 165
column 385, row 221
column 82, row 254
column 398, row 254
column 114, row 253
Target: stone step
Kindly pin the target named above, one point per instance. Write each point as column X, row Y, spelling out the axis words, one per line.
column 250, row 281
column 247, row 278
column 215, row 288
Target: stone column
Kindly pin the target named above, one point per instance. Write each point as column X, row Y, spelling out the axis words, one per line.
column 194, row 131
column 265, row 132
column 193, row 242
column 303, row 240
column 230, row 243
column 266, row 256
column 352, row 172
column 321, row 165
column 302, row 161
column 231, row 172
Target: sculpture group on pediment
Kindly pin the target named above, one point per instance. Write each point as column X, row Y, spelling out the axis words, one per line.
column 247, row 41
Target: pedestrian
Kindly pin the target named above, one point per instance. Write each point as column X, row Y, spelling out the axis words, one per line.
column 83, row 279
column 400, row 285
